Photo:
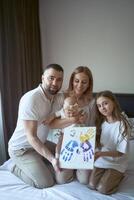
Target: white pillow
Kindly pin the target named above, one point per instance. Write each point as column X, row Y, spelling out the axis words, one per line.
column 131, row 122
column 131, row 155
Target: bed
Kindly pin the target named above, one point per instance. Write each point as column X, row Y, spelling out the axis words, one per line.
column 13, row 188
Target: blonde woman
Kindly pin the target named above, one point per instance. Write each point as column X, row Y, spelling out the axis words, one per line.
column 81, row 87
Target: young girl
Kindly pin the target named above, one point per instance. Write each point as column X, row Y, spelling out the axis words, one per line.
column 112, row 141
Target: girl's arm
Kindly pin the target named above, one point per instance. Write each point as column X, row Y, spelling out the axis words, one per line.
column 108, row 153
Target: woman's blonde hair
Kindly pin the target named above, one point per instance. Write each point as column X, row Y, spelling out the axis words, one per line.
column 116, row 114
column 87, row 71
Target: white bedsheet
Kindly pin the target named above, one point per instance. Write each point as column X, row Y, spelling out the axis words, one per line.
column 13, row 188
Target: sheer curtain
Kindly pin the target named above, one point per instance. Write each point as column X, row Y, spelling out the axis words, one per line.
column 20, row 56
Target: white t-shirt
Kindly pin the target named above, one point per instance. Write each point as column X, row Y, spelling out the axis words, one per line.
column 111, row 140
column 34, row 105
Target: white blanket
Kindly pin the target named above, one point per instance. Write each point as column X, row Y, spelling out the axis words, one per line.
column 13, row 188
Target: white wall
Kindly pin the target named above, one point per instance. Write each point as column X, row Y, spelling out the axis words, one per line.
column 95, row 33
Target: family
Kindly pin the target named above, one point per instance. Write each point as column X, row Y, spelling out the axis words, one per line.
column 43, row 108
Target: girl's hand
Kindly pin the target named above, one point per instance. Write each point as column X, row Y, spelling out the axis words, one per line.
column 97, row 155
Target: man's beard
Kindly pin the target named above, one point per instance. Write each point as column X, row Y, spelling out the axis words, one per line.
column 52, row 91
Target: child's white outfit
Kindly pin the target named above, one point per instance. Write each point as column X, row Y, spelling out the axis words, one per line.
column 111, row 140
column 110, row 168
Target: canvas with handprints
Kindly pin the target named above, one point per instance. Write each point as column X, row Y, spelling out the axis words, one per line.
column 78, row 147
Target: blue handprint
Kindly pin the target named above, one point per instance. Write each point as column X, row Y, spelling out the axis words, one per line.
column 87, row 150
column 68, row 151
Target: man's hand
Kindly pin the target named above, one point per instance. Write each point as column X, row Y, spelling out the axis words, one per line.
column 55, row 163
column 49, row 119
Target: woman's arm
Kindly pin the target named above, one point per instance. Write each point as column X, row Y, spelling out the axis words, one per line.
column 62, row 123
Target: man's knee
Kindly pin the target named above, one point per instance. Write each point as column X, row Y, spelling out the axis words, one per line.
column 44, row 183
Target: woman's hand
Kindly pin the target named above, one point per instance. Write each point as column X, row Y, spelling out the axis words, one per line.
column 82, row 118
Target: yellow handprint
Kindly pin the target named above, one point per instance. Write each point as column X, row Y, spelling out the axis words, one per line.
column 87, row 136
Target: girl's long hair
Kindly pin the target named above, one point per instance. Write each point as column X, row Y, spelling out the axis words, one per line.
column 116, row 114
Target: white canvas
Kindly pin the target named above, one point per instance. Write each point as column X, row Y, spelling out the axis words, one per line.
column 78, row 146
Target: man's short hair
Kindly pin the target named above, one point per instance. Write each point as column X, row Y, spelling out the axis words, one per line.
column 54, row 66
